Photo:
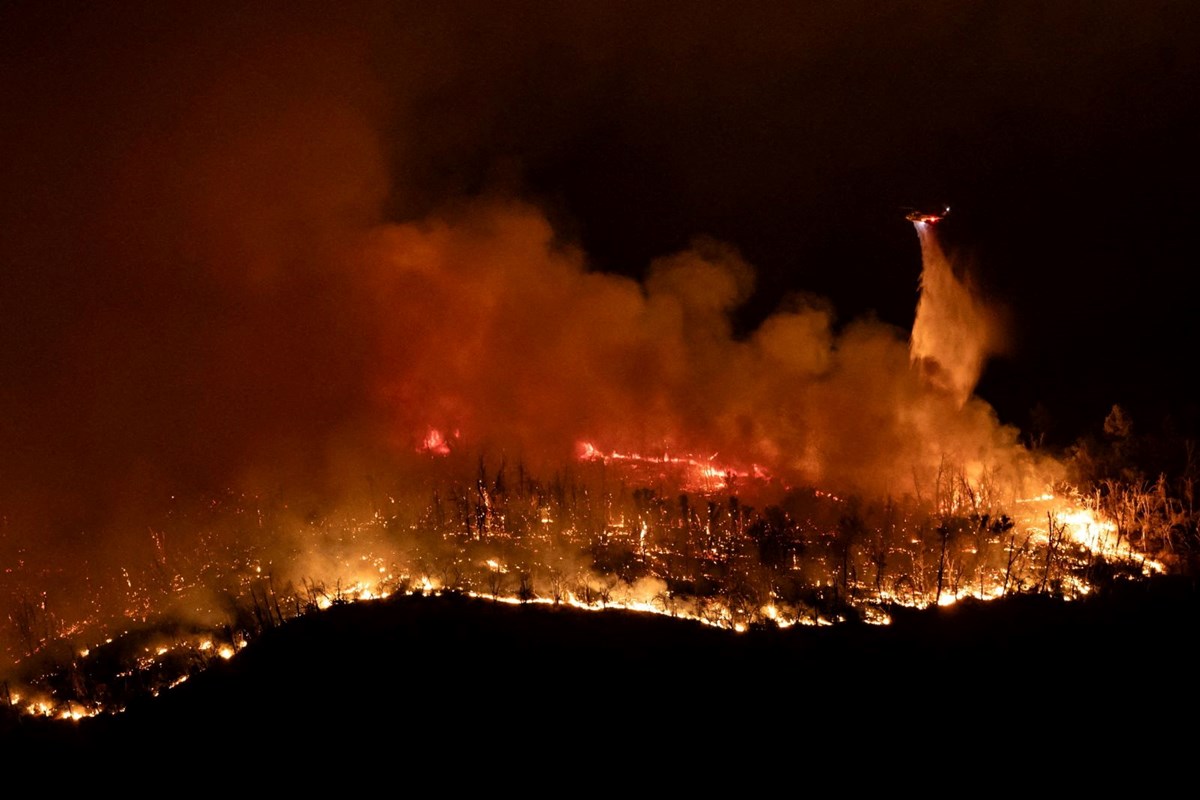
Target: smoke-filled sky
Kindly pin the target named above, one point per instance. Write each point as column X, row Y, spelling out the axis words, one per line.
column 269, row 242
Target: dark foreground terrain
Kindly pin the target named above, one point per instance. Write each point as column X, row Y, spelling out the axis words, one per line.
column 1100, row 678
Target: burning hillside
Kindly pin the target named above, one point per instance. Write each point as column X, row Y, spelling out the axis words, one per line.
column 729, row 543
column 268, row 351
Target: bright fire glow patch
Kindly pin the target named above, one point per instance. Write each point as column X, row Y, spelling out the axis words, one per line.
column 695, row 473
column 434, row 443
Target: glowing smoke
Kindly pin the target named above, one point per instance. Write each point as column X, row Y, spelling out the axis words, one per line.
column 491, row 328
column 202, row 296
column 954, row 331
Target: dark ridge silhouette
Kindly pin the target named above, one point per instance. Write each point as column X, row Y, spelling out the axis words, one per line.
column 522, row 683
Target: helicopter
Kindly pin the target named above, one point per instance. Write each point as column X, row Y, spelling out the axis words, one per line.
column 928, row 217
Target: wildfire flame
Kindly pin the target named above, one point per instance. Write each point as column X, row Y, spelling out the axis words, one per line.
column 698, row 474
column 721, row 540
column 390, row 401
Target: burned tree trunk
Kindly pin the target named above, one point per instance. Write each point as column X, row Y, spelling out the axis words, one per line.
column 1055, row 535
column 943, row 531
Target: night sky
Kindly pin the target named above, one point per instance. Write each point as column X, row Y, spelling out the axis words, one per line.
column 165, row 163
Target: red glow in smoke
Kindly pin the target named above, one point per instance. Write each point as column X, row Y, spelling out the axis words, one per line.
column 434, row 443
